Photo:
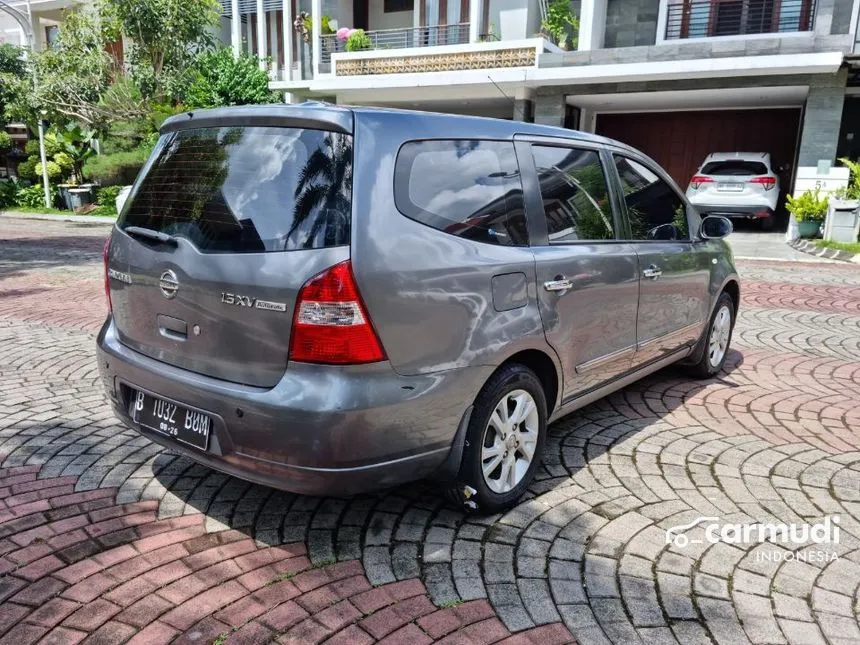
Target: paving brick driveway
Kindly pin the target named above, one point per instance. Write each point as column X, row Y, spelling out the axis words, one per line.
column 106, row 537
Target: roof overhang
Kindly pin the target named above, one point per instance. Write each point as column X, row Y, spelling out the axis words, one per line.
column 533, row 77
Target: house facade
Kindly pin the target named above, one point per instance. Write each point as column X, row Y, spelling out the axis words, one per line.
column 676, row 78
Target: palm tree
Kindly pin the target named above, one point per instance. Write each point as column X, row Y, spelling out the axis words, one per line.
column 324, row 188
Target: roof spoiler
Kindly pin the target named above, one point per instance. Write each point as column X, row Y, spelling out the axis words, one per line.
column 311, row 115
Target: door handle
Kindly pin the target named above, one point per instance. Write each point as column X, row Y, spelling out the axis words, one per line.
column 653, row 272
column 559, row 284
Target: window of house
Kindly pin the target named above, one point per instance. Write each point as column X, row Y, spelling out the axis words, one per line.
column 470, row 189
column 574, row 194
column 393, row 6
column 654, row 210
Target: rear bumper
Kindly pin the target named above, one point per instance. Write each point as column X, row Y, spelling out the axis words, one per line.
column 321, row 430
column 751, row 211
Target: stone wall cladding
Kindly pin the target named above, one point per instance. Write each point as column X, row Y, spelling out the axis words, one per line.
column 822, row 119
column 841, row 21
column 630, row 22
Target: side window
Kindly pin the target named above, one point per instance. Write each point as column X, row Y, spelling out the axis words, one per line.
column 470, row 189
column 655, row 211
column 574, row 194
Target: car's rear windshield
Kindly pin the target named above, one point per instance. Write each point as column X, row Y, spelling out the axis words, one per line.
column 247, row 189
column 734, row 167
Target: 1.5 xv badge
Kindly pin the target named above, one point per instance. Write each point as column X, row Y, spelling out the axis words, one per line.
column 247, row 301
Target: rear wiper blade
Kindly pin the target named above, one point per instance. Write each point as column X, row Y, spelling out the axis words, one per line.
column 149, row 234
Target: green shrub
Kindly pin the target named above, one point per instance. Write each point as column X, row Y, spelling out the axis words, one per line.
column 27, row 168
column 54, row 170
column 358, row 40
column 52, row 146
column 64, row 161
column 5, row 140
column 808, row 207
column 560, row 24
column 33, row 197
column 106, row 200
column 107, row 195
column 221, row 79
column 117, row 168
column 8, row 192
column 853, row 189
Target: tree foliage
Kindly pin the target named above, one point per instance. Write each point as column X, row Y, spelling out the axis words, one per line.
column 220, row 79
column 67, row 81
column 163, row 37
column 13, row 70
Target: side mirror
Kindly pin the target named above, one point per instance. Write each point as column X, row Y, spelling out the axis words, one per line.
column 715, row 227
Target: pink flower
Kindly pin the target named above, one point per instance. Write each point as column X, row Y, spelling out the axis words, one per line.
column 343, row 33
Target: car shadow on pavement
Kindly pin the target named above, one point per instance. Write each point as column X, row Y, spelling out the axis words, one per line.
column 581, row 439
column 382, row 527
column 34, row 253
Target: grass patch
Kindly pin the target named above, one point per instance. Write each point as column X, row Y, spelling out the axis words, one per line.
column 450, row 604
column 41, row 210
column 222, row 638
column 280, row 578
column 851, row 247
column 98, row 212
column 325, row 562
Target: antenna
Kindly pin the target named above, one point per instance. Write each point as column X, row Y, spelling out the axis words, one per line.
column 513, row 101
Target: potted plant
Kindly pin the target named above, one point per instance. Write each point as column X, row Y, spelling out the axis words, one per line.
column 560, row 24
column 357, row 40
column 809, row 211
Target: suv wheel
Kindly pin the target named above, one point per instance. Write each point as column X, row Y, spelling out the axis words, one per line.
column 718, row 338
column 504, row 441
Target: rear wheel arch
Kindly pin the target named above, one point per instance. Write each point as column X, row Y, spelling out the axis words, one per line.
column 544, row 368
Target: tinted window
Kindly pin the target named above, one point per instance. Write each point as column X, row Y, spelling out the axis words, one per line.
column 248, row 190
column 734, row 167
column 575, row 199
column 655, row 211
column 469, row 189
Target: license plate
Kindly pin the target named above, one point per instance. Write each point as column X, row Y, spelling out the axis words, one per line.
column 730, row 187
column 187, row 426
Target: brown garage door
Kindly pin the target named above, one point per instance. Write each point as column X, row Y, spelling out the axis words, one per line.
column 679, row 141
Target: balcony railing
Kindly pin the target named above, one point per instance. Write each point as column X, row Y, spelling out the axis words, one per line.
column 705, row 18
column 402, row 38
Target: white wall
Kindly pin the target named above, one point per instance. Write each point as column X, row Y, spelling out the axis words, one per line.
column 513, row 19
column 381, row 20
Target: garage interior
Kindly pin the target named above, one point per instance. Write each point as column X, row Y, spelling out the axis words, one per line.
column 679, row 129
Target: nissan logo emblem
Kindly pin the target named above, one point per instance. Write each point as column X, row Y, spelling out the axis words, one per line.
column 168, row 284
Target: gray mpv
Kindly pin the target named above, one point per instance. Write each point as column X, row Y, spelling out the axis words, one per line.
column 328, row 300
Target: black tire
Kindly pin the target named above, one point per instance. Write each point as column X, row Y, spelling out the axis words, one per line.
column 705, row 368
column 471, row 492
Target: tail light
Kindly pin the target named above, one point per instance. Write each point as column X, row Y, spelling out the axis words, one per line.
column 106, row 256
column 765, row 182
column 698, row 180
column 331, row 324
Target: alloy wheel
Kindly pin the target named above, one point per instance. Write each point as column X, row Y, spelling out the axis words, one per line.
column 718, row 342
column 510, row 441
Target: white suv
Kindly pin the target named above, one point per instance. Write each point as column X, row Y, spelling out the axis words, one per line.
column 736, row 185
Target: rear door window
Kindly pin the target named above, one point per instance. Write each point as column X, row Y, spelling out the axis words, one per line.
column 247, row 189
column 734, row 167
column 574, row 194
column 470, row 189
